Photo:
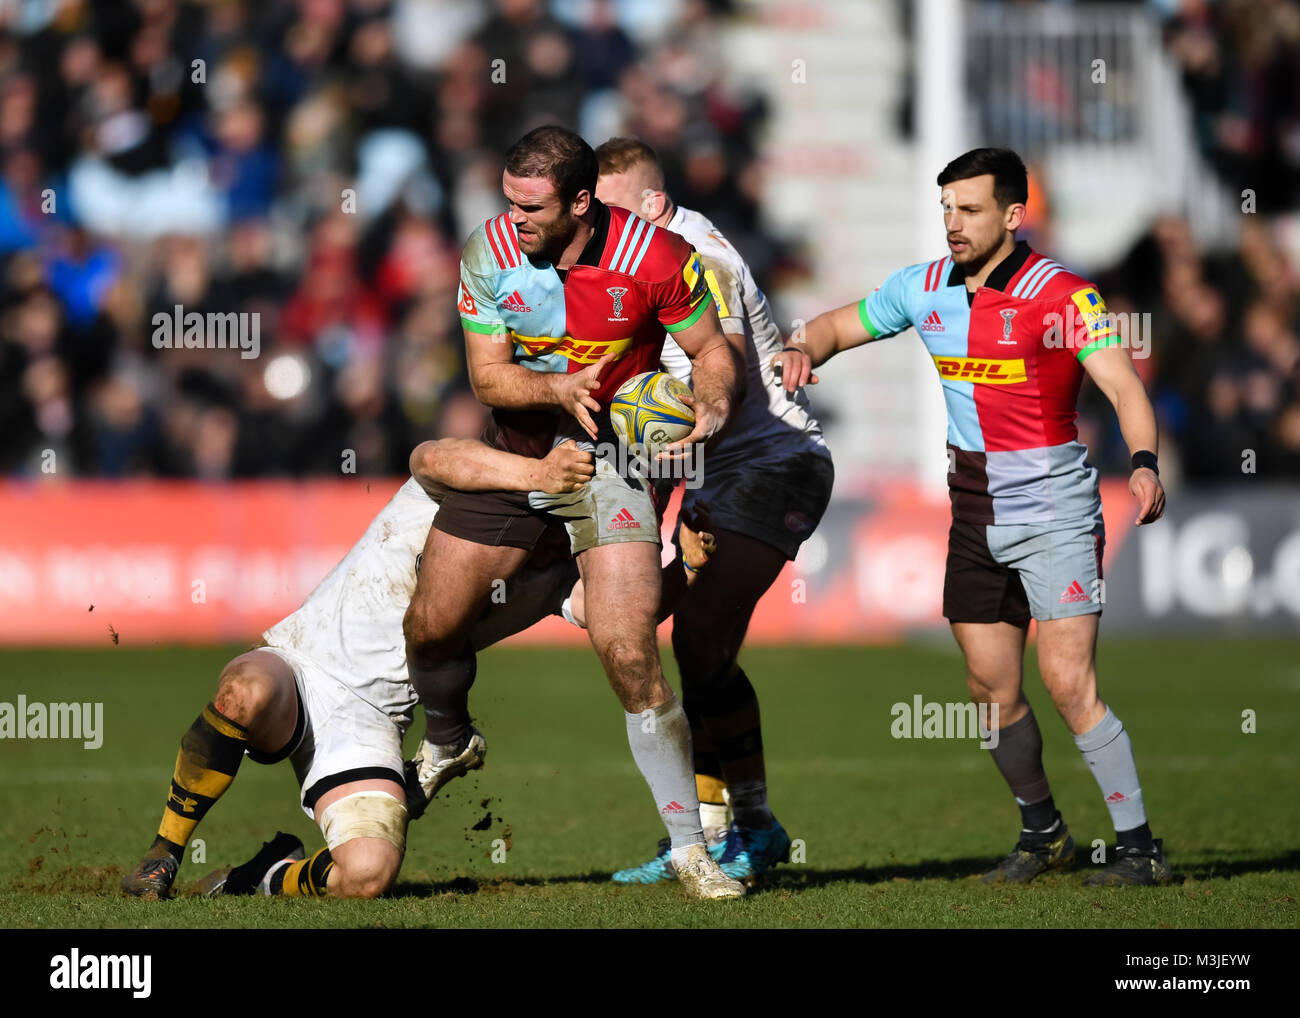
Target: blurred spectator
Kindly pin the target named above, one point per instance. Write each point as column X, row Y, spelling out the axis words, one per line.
column 316, row 163
column 1224, row 364
column 1240, row 62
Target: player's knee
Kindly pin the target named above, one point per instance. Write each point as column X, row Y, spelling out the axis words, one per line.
column 366, row 835
column 703, row 662
column 429, row 641
column 628, row 659
column 1073, row 687
column 981, row 686
column 364, row 868
column 245, row 692
column 993, row 682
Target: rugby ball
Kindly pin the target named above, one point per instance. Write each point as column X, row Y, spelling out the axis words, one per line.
column 647, row 411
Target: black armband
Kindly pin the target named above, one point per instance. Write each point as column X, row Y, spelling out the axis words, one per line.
column 1143, row 458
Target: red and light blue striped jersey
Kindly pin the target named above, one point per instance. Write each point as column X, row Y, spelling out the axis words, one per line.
column 632, row 282
column 1009, row 358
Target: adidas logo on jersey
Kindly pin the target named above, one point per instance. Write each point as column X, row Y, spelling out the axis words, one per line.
column 624, row 520
column 515, row 302
column 932, row 323
column 1073, row 594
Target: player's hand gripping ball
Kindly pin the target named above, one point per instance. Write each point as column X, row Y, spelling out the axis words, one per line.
column 647, row 411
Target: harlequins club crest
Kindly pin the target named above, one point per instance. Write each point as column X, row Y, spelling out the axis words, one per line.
column 1006, row 323
column 617, row 293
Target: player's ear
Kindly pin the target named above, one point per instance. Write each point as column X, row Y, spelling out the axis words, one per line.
column 581, row 203
column 1015, row 216
column 652, row 204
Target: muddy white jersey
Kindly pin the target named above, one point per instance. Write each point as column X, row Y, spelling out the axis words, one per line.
column 767, row 414
column 351, row 624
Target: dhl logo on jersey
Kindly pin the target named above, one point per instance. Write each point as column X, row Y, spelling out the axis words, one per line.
column 582, row 353
column 1095, row 316
column 981, row 369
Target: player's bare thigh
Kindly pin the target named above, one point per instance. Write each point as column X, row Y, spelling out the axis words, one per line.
column 622, row 583
column 711, row 619
column 453, row 585
column 257, row 690
column 363, row 867
column 1067, row 660
column 995, row 654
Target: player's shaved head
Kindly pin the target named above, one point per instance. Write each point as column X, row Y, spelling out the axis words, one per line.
column 558, row 155
column 632, row 178
column 1010, row 178
column 631, row 156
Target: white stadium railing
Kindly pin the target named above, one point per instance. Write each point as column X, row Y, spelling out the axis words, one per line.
column 1091, row 96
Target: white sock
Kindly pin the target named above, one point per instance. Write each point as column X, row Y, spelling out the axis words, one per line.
column 713, row 817
column 661, row 747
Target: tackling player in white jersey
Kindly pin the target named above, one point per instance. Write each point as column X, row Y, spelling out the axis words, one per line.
column 766, row 482
column 328, row 689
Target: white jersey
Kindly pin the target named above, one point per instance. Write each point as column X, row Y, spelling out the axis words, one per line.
column 351, row 624
column 768, row 417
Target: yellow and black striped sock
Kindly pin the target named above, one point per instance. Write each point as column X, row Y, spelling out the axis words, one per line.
column 205, row 766
column 308, row 878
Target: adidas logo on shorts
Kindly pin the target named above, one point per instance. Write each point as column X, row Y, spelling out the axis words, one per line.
column 1073, row 593
column 624, row 521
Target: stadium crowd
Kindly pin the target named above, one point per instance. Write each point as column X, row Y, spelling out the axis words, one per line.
column 318, row 162
column 1225, row 364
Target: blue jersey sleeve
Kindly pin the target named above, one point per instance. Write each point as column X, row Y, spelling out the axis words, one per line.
column 885, row 312
column 477, row 302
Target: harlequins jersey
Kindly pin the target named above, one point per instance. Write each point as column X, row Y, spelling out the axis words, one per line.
column 632, row 282
column 1010, row 362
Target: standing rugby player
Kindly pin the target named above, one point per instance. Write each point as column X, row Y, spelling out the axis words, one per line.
column 562, row 300
column 1011, row 333
column 766, row 482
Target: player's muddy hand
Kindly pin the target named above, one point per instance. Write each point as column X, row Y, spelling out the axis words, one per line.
column 793, row 369
column 573, row 393
column 566, row 468
column 694, row 536
column 710, row 418
column 1150, row 493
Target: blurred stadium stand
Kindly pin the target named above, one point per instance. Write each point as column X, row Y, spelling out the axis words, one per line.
column 129, row 187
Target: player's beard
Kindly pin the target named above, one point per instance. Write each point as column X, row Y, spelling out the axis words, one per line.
column 552, row 241
column 976, row 259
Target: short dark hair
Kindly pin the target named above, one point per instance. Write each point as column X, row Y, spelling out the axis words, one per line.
column 559, row 155
column 1010, row 178
column 618, row 155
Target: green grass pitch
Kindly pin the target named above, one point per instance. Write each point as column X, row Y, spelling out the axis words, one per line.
column 895, row 832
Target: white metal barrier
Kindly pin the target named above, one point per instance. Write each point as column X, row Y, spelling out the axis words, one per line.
column 1090, row 96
